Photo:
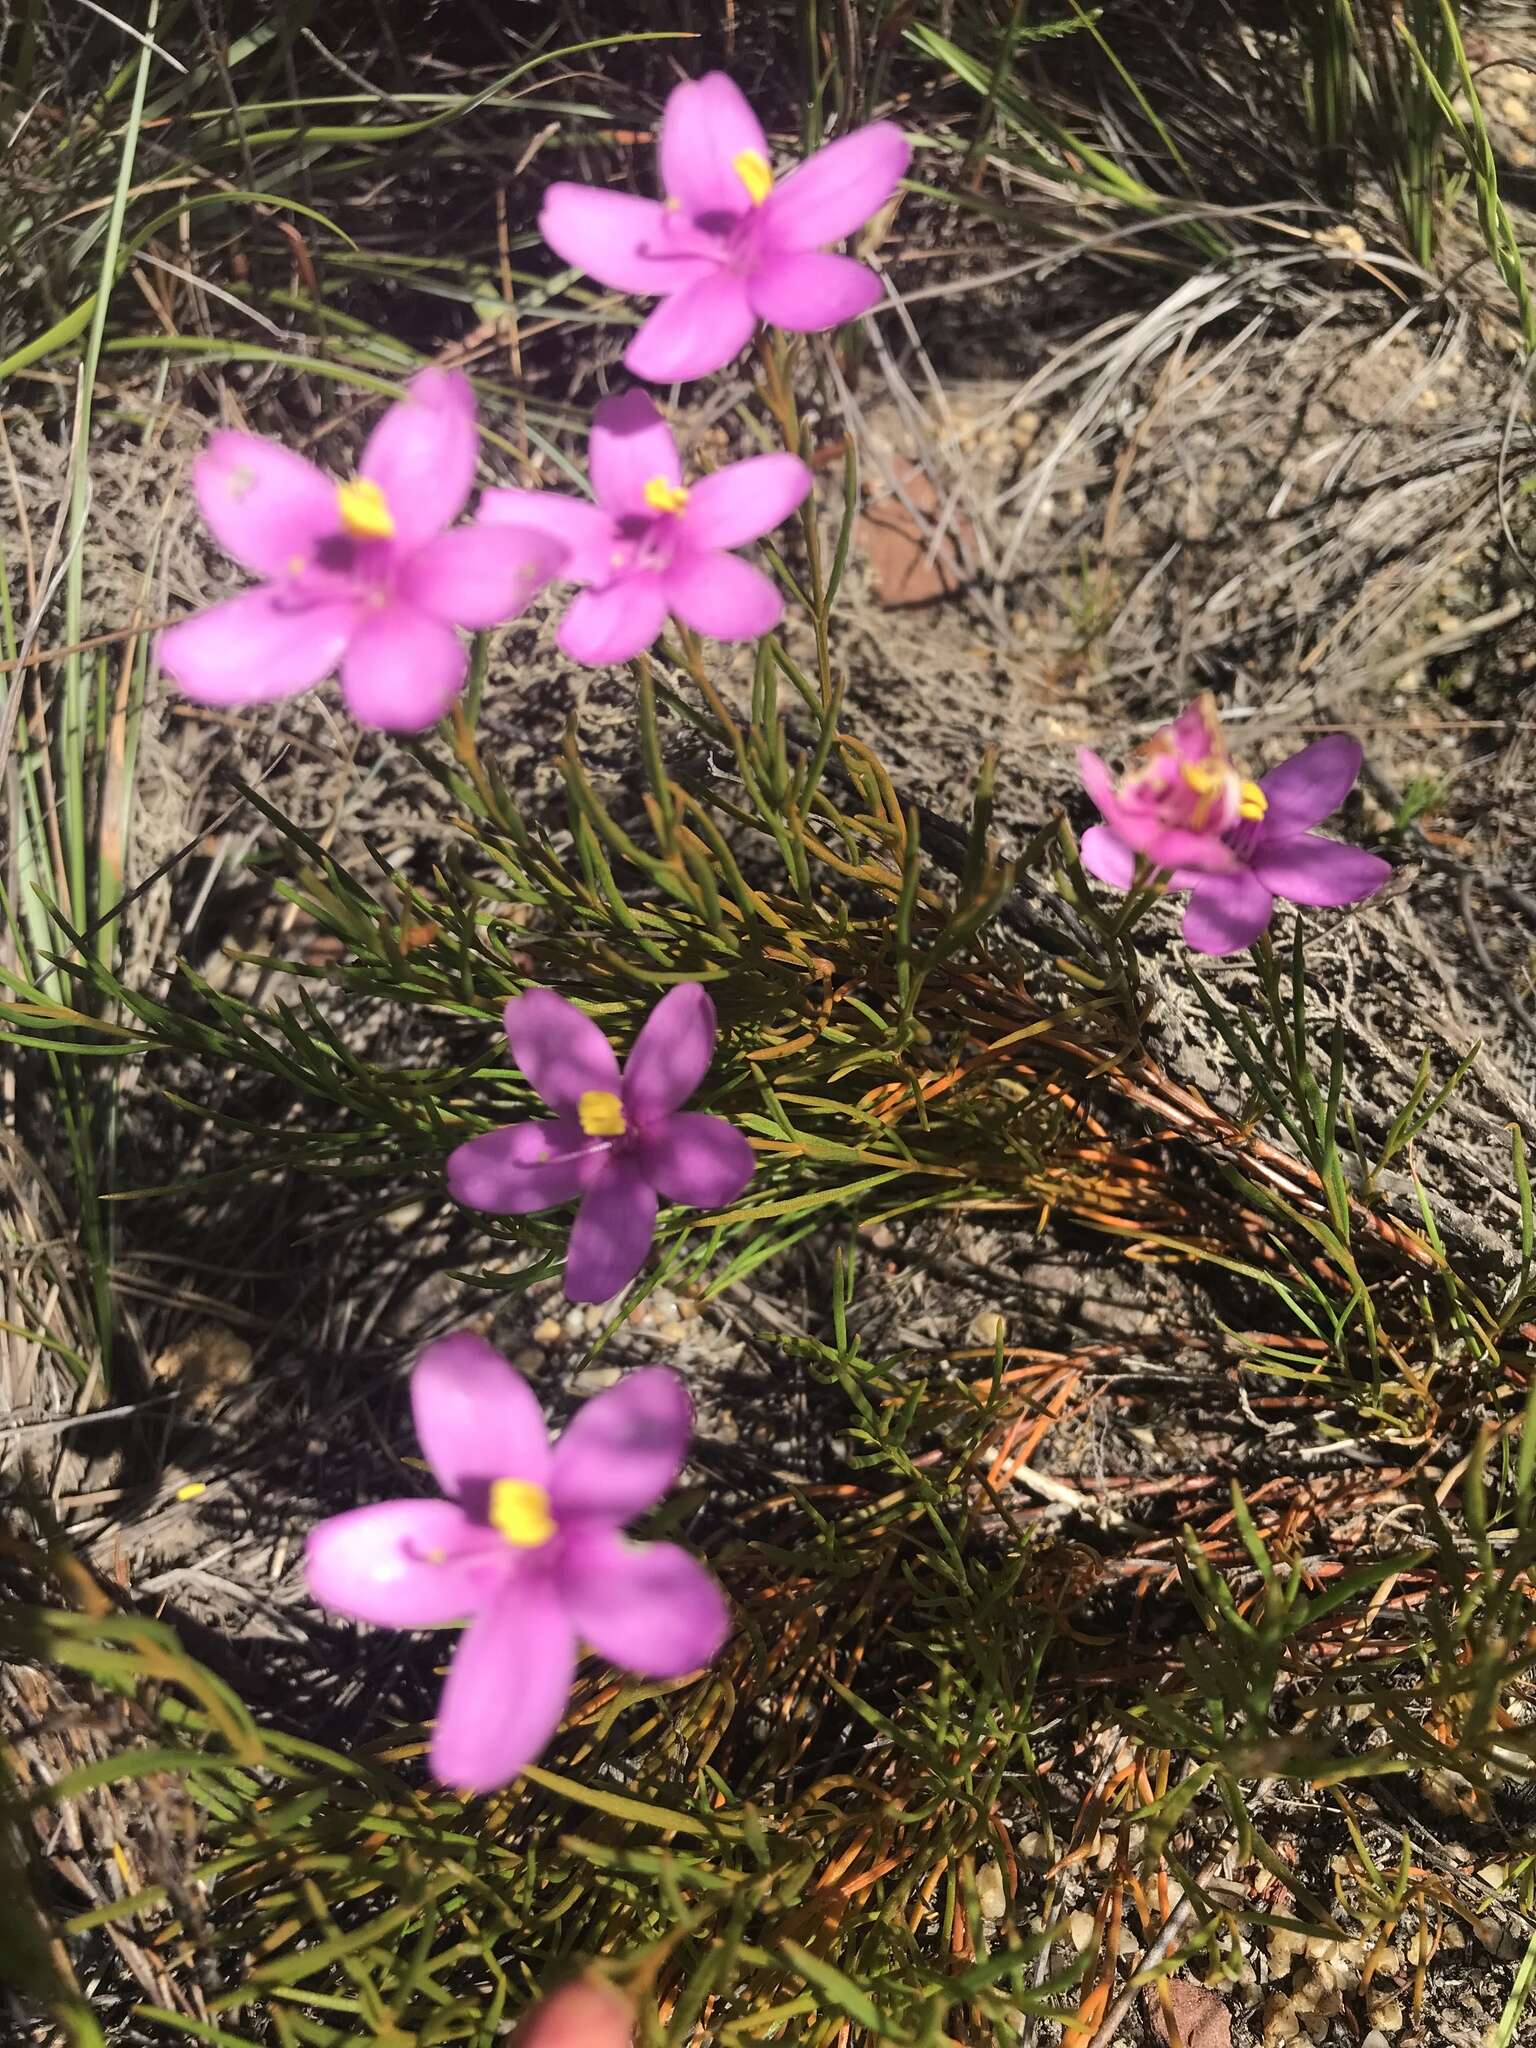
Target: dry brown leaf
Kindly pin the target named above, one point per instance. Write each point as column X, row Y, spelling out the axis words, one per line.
column 1202, row 2019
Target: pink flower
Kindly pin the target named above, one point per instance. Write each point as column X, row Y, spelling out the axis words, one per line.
column 359, row 575
column 728, row 247
column 619, row 1142
column 528, row 1548
column 649, row 545
column 1236, row 845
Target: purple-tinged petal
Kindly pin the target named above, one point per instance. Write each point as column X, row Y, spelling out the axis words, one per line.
column 706, row 125
column 1107, row 857
column 265, row 506
column 402, row 1564
column 583, row 529
column 480, row 576
column 523, row 1168
column 422, row 455
column 694, row 331
column 696, row 1158
column 671, row 1054
column 807, row 292
column 257, row 647
column 611, row 1235
column 837, row 189
column 622, row 1449
column 560, row 1052
column 1315, row 869
column 402, row 670
column 476, row 1419
column 1188, row 853
column 746, row 500
column 630, row 446
column 624, row 242
column 1227, row 912
column 648, row 1608
column 722, row 596
column 1310, row 786
column 507, row 1687
column 615, row 623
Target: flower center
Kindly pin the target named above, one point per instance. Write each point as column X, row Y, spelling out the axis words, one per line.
column 520, row 1511
column 753, row 170
column 600, row 1114
column 364, row 510
column 664, row 497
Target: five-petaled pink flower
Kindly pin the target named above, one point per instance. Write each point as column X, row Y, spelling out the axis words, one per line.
column 618, row 1141
column 528, row 1547
column 650, row 545
column 1235, row 845
column 359, row 575
column 729, row 247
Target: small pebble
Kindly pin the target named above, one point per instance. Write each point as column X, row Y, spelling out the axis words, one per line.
column 548, row 1332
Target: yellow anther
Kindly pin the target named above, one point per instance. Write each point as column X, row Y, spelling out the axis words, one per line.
column 520, row 1512
column 600, row 1114
column 364, row 510
column 664, row 497
column 1202, row 780
column 754, row 172
column 1252, row 802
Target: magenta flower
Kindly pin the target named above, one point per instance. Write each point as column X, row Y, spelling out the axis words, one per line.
column 528, row 1548
column 728, row 247
column 619, row 1142
column 359, row 575
column 1236, row 845
column 650, row 546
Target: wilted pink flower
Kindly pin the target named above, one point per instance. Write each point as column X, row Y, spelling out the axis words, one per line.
column 728, row 247
column 1236, row 845
column 619, row 1142
column 528, row 1547
column 649, row 545
column 359, row 575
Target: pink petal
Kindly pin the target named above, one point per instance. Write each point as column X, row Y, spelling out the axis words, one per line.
column 476, row 1419
column 375, row 1564
column 649, row 1608
column 630, row 446
column 523, row 1168
column 614, row 623
column 264, row 505
column 723, row 596
column 583, row 529
column 806, row 292
column 1314, row 869
column 620, row 240
column 706, row 125
column 586, row 2014
column 748, row 499
column 257, row 647
column 1310, row 786
column 402, row 670
column 1107, row 857
column 622, row 1449
column 1227, row 912
column 422, row 455
column 698, row 1159
column 837, row 189
column 611, row 1235
column 694, row 331
column 558, row 1049
column 671, row 1055
column 480, row 575
column 1166, row 846
column 507, row 1687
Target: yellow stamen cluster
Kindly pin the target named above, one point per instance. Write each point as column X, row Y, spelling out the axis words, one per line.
column 1252, row 802
column 364, row 510
column 755, row 172
column 519, row 1511
column 600, row 1114
column 664, row 497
